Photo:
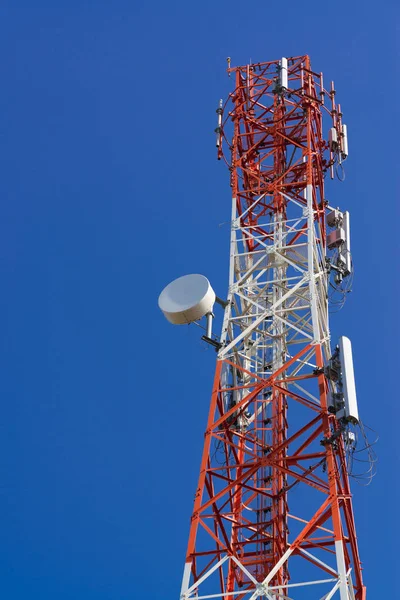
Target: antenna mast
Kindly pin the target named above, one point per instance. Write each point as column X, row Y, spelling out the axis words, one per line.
column 273, row 514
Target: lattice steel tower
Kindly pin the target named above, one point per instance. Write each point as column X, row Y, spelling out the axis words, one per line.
column 273, row 513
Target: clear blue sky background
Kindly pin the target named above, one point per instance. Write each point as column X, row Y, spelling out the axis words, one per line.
column 109, row 189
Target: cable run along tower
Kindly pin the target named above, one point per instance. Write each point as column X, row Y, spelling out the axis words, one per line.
column 273, row 514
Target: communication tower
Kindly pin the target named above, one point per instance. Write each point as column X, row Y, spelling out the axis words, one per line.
column 273, row 515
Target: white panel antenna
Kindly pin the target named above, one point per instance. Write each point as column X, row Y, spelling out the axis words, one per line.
column 345, row 142
column 348, row 381
column 283, row 73
column 346, row 249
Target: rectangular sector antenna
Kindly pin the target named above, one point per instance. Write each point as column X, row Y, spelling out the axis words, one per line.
column 283, row 74
column 346, row 227
column 348, row 381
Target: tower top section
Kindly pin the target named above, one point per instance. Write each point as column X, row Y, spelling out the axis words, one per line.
column 269, row 99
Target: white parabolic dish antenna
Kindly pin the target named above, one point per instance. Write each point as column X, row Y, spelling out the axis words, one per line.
column 187, row 299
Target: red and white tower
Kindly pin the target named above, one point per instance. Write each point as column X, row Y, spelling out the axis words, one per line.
column 273, row 514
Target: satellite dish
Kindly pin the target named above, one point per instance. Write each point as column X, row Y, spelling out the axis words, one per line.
column 187, row 299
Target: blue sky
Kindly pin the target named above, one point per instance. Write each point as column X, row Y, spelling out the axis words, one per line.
column 109, row 189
